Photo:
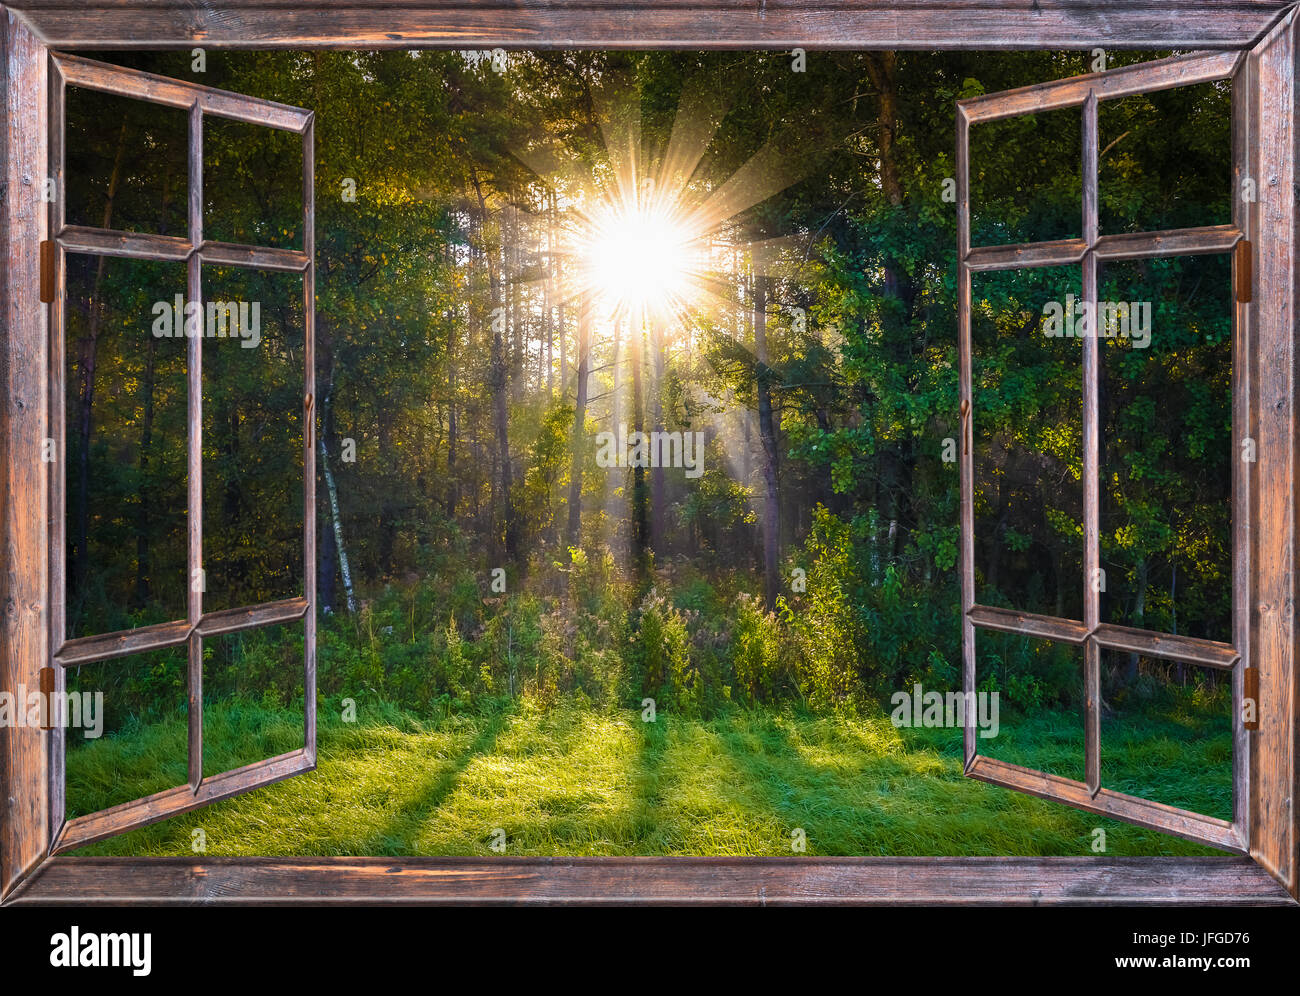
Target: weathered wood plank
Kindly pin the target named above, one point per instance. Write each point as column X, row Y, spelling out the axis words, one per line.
column 1091, row 437
column 1165, row 645
column 57, row 521
column 1245, row 128
column 127, row 245
column 1171, row 242
column 1274, row 317
column 24, row 474
column 77, row 71
column 855, row 24
column 965, row 428
column 807, row 881
column 309, row 435
column 141, row 812
column 1023, row 256
column 194, row 575
column 256, row 257
column 110, row 646
column 1141, row 77
column 1105, row 802
column 1028, row 623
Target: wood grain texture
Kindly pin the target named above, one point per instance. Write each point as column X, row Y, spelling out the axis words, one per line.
column 309, row 436
column 194, row 575
column 169, row 92
column 1168, row 646
column 254, row 257
column 141, row 812
column 1029, row 623
column 126, row 245
column 849, row 24
column 1273, row 834
column 1023, row 256
column 806, row 881
column 1091, row 441
column 56, row 426
column 966, row 420
column 1075, row 91
column 1172, row 242
column 174, row 248
column 24, row 475
column 1105, row 802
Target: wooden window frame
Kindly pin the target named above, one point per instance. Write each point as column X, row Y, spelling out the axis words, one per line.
column 1091, row 634
column 1264, row 30
column 199, row 103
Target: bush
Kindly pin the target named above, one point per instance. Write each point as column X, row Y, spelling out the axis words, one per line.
column 661, row 650
column 756, row 651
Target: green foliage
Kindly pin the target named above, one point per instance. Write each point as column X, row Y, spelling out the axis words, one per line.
column 661, row 652
column 757, row 652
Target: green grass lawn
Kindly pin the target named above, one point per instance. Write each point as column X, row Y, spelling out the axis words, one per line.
column 571, row 780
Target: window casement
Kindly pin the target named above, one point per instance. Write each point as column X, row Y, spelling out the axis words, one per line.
column 1090, row 633
column 199, row 257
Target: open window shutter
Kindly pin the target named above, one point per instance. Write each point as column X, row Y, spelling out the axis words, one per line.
column 196, row 256
column 1089, row 635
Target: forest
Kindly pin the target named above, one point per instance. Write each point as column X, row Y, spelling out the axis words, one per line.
column 636, row 405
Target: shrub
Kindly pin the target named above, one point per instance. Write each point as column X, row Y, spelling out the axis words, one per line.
column 756, row 651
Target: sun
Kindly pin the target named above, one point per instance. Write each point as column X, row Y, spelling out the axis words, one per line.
column 641, row 259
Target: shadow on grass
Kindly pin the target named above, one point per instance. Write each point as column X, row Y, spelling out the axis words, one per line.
column 423, row 804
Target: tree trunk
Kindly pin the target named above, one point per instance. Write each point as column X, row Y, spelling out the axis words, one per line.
column 767, row 431
column 658, row 499
column 334, row 506
column 86, row 398
column 499, row 383
column 143, row 567
column 640, row 525
column 573, row 534
column 1139, row 614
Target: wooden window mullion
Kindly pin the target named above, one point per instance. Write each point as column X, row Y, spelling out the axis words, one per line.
column 1245, row 130
column 194, row 453
column 56, row 427
column 309, row 433
column 966, row 458
column 1092, row 576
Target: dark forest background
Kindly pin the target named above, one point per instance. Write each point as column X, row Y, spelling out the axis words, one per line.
column 460, row 382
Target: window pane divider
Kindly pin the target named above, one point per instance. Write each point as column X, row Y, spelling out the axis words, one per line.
column 1126, row 245
column 173, row 248
column 1029, row 624
column 1191, row 826
column 1023, row 256
column 1123, row 81
column 78, row 71
column 1171, row 242
column 90, row 649
column 84, row 830
column 1092, row 573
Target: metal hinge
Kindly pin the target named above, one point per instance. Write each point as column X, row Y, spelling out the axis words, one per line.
column 47, row 696
column 47, row 271
column 1243, row 271
column 1250, row 698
